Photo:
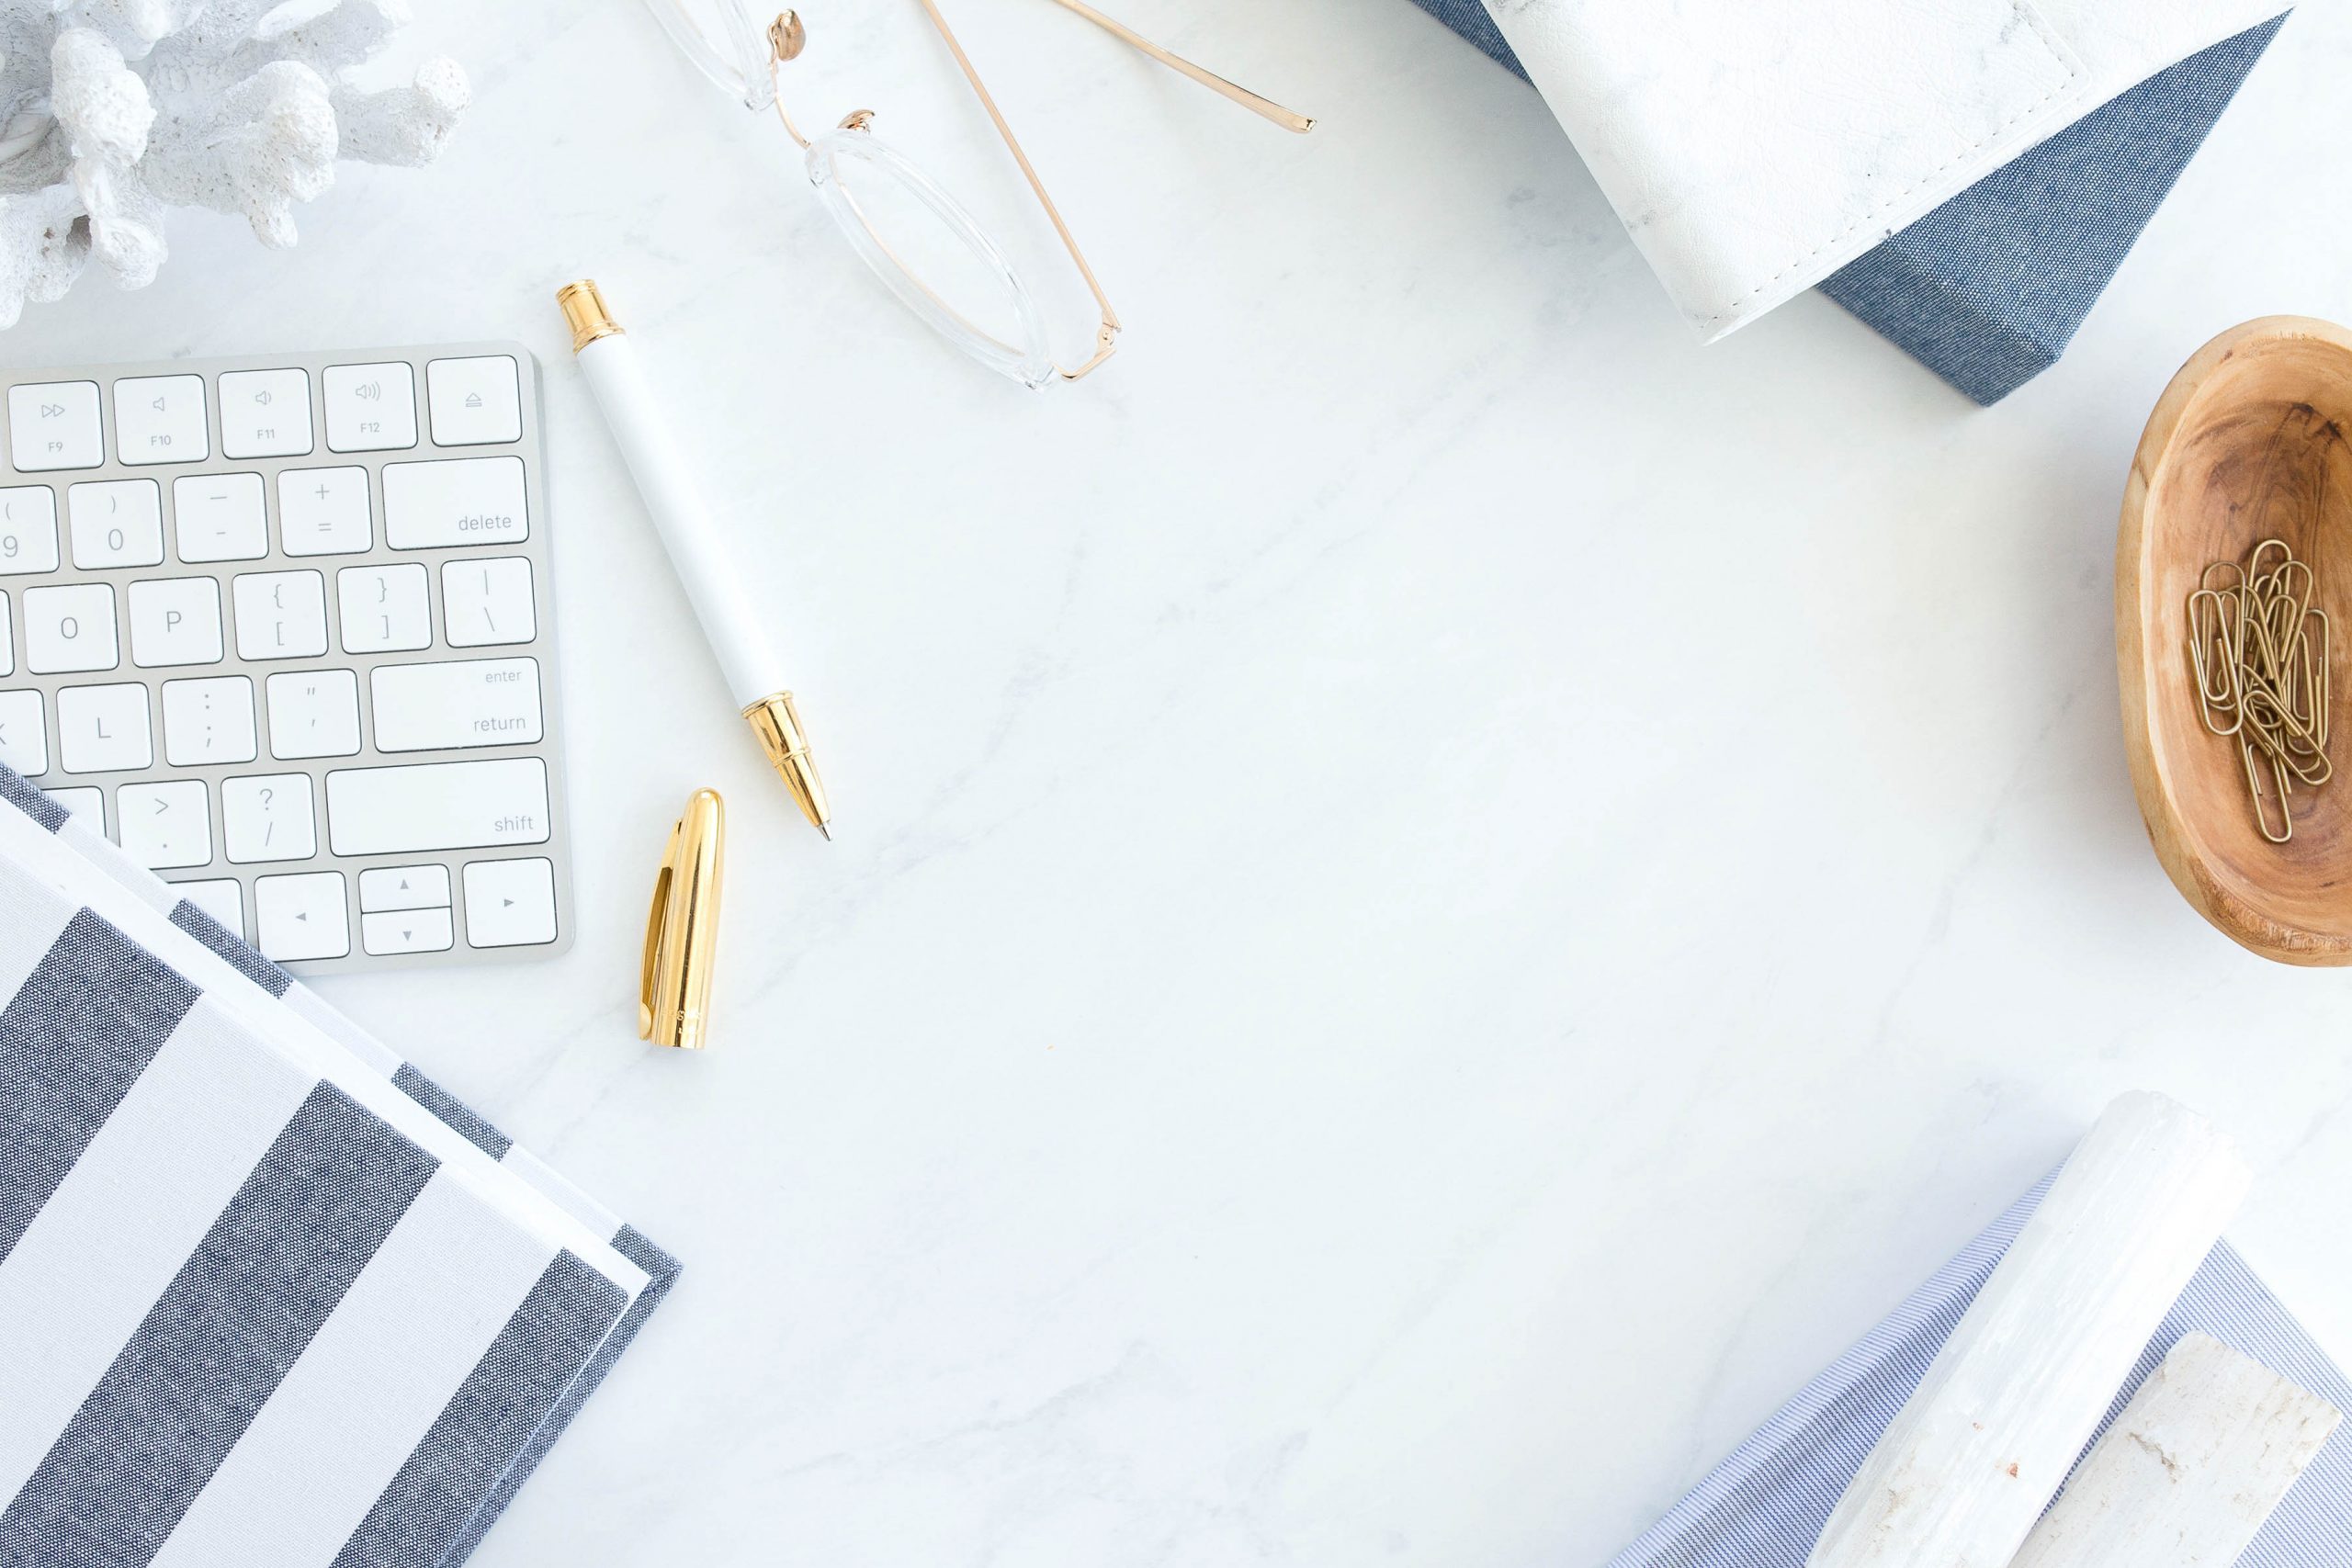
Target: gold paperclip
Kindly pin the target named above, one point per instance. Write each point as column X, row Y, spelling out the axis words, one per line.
column 682, row 929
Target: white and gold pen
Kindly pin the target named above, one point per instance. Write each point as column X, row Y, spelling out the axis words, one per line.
column 737, row 632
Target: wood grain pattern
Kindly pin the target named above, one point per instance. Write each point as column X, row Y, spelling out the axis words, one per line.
column 2248, row 442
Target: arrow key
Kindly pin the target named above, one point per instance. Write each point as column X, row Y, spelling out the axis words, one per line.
column 510, row 903
column 406, row 930
column 403, row 888
column 301, row 915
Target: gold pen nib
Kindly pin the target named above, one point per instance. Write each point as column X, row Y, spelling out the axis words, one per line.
column 778, row 724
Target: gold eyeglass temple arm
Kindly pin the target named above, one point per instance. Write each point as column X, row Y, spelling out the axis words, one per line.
column 1106, row 335
column 1265, row 107
column 787, row 38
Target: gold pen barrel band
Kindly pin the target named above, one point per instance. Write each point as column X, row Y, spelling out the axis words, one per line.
column 586, row 312
column 778, row 724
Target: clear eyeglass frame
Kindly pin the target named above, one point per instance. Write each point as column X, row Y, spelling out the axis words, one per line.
column 746, row 61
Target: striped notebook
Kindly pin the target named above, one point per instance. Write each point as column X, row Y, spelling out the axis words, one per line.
column 268, row 1297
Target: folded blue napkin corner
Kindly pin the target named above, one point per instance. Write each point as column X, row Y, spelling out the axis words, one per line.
column 1989, row 289
column 1765, row 1505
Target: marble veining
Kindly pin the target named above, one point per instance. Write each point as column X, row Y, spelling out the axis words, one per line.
column 1419, row 823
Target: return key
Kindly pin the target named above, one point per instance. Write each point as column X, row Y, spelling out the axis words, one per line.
column 470, row 702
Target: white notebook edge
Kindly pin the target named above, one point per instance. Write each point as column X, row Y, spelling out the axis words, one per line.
column 1724, row 271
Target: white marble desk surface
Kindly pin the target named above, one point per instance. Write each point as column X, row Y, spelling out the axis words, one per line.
column 1440, row 894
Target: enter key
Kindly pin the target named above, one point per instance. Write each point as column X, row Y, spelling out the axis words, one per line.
column 461, row 704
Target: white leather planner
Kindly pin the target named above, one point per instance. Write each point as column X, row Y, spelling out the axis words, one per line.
column 1754, row 150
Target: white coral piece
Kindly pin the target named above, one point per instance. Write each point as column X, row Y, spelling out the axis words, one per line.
column 114, row 111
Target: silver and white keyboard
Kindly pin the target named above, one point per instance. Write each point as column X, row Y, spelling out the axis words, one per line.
column 280, row 627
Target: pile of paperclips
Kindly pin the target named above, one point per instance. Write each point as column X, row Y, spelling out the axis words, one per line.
column 2259, row 650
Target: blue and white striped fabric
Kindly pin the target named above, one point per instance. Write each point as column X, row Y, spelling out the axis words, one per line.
column 1764, row 1506
column 269, row 1297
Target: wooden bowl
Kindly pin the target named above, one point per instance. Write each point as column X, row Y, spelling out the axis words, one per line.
column 2248, row 443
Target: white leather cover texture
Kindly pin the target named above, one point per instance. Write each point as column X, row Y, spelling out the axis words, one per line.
column 1753, row 147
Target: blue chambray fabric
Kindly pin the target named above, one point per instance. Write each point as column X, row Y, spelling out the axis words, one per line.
column 75, row 1036
column 1765, row 1505
column 1988, row 289
column 208, row 1355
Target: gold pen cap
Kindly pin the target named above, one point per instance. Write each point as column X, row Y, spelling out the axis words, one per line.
column 586, row 312
column 682, row 929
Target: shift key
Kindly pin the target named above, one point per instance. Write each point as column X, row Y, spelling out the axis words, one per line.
column 437, row 806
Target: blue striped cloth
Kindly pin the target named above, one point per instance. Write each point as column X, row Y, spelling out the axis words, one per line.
column 269, row 1297
column 1764, row 1506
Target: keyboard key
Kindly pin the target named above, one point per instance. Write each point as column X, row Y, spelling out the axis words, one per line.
column 219, row 517
column 264, row 413
column 160, row 419
column 209, row 720
column 70, row 628
column 315, row 714
column 487, row 602
column 117, row 522
column 175, row 620
column 441, row 708
column 220, row 898
column 85, row 802
column 8, row 639
column 407, row 930
column 457, row 501
column 268, row 816
column 370, row 408
column 281, row 614
column 301, row 915
column 54, row 424
column 474, row 402
column 404, row 887
column 28, row 529
column 510, row 903
column 103, row 729
column 323, row 511
column 383, row 608
column 166, row 826
column 437, row 806
column 24, row 739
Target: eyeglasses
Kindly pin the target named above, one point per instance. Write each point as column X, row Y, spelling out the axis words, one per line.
column 918, row 240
